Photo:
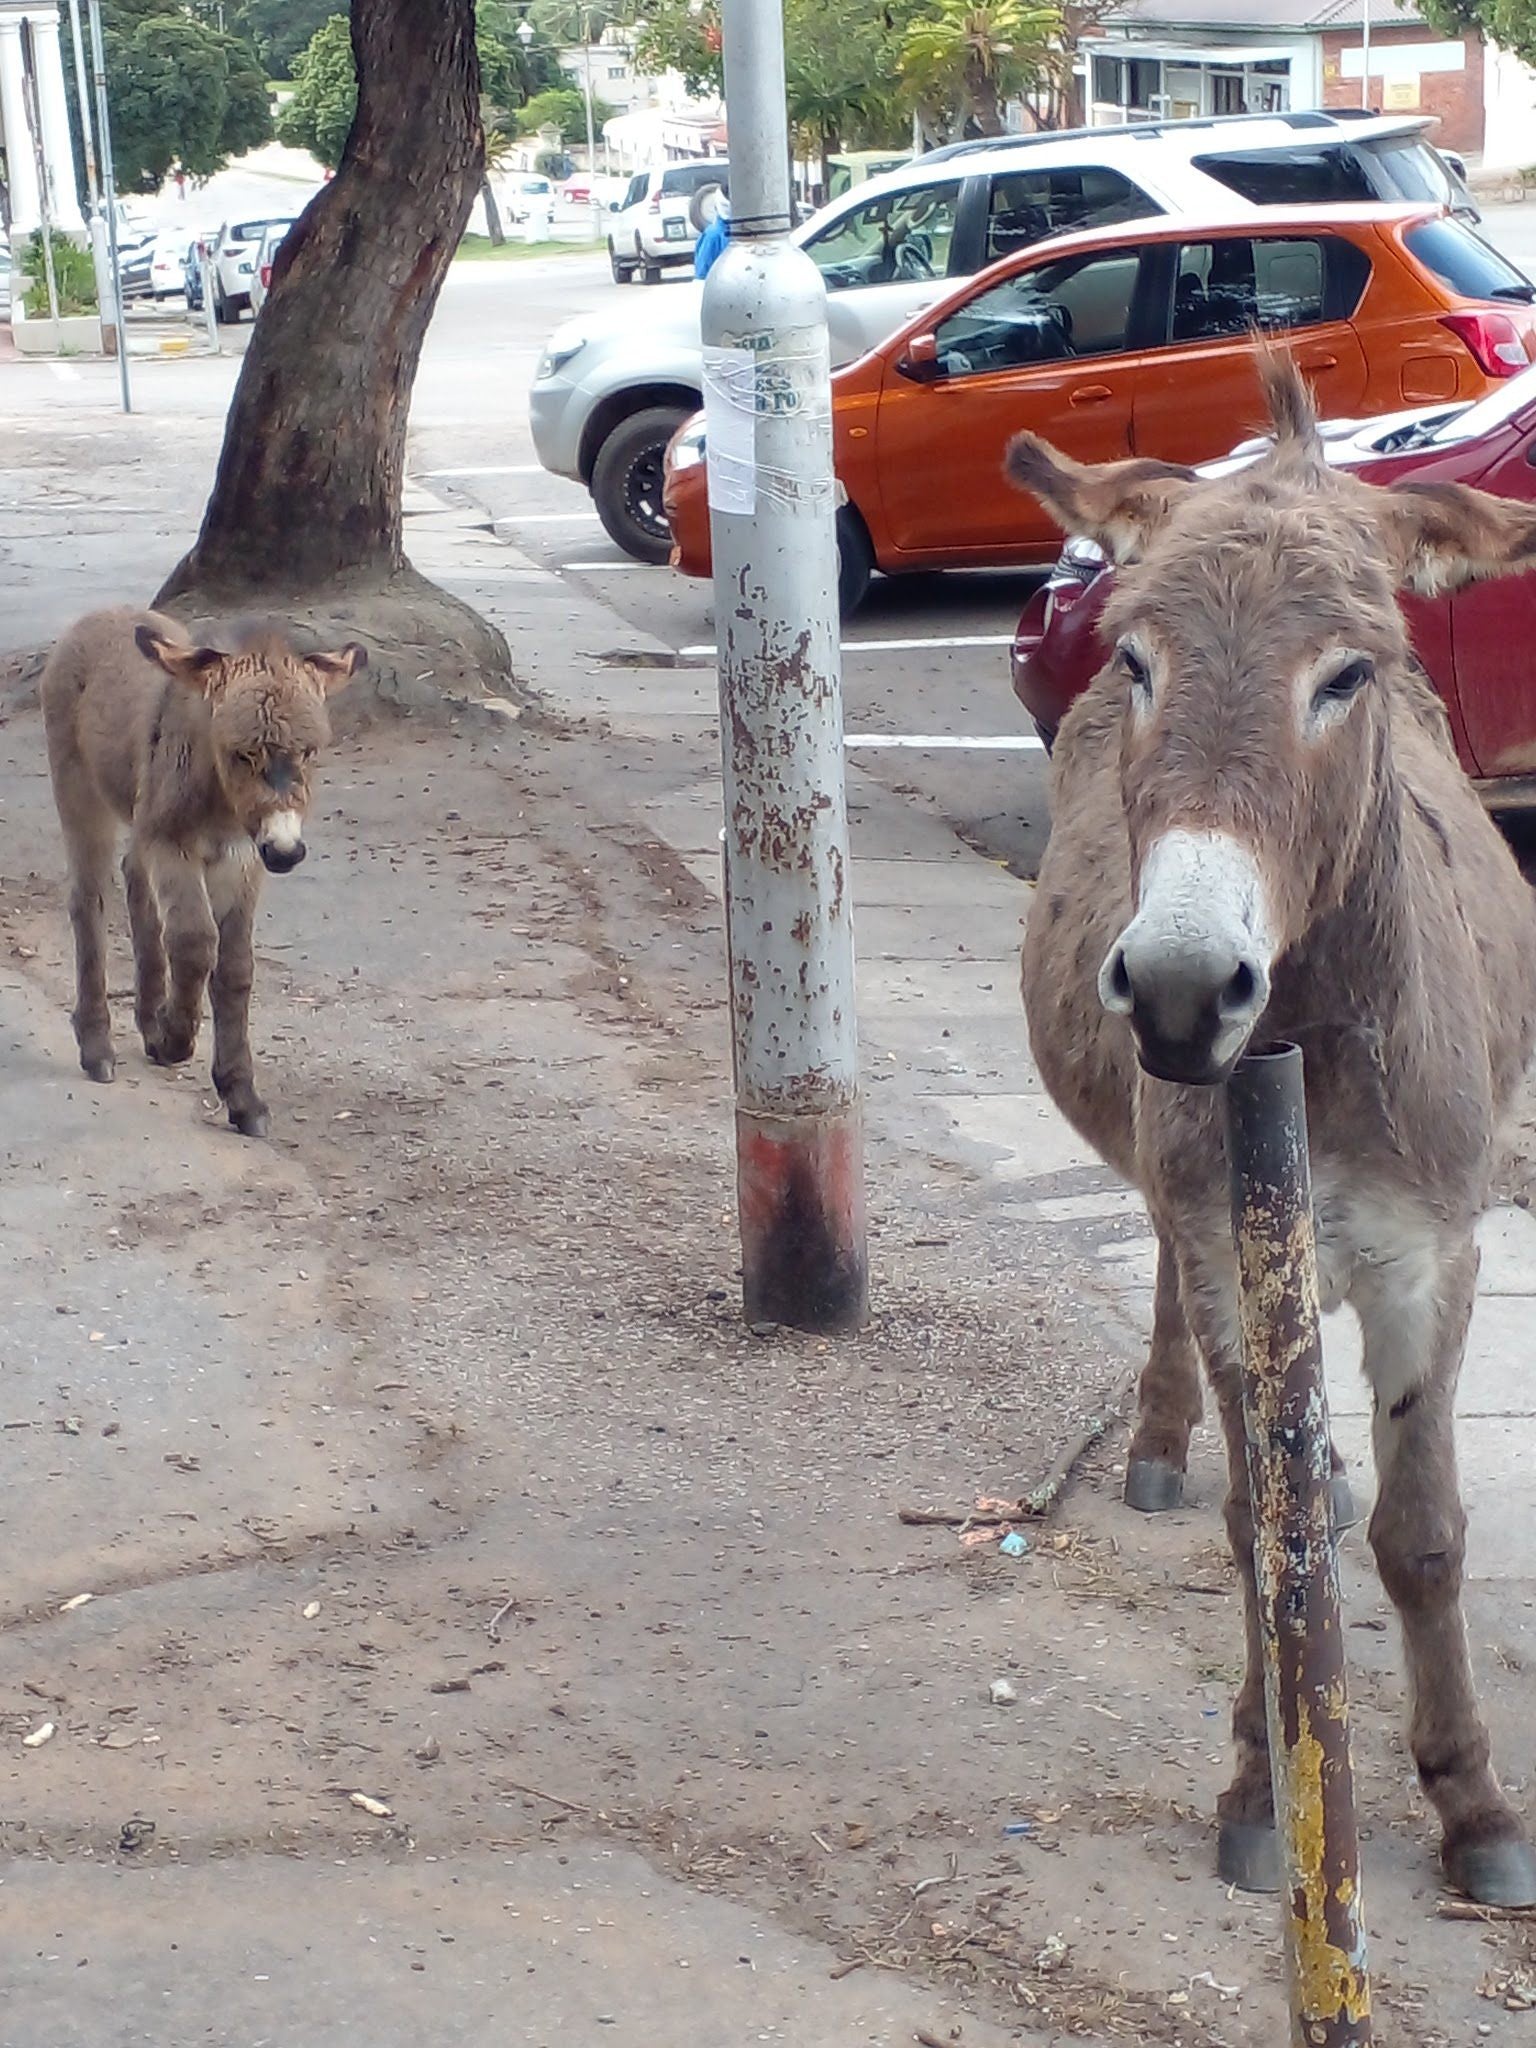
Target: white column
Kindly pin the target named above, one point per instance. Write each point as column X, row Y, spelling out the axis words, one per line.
column 21, row 166
column 53, row 109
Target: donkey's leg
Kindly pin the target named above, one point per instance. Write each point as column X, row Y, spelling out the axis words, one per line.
column 191, row 942
column 90, row 837
column 1168, row 1399
column 148, row 942
column 1414, row 1338
column 234, row 885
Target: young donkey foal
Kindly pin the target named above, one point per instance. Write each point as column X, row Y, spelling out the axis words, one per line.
column 205, row 755
column 1261, row 833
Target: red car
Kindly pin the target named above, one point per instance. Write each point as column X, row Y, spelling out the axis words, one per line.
column 1476, row 644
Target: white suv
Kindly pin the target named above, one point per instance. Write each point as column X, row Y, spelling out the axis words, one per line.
column 611, row 391
column 657, row 220
column 233, row 258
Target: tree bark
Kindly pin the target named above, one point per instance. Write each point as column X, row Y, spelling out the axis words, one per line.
column 308, row 490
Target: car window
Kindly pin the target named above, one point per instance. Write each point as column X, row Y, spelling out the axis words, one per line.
column 636, row 190
column 1027, row 206
column 1465, row 262
column 250, row 230
column 1078, row 306
column 1226, row 288
column 1319, row 176
column 686, row 179
column 1410, row 170
column 899, row 236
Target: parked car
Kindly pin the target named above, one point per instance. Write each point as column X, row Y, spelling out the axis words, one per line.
column 233, row 256
column 168, row 264
column 134, row 262
column 611, row 390
column 529, row 193
column 1474, row 643
column 1135, row 340
column 261, row 278
column 654, row 224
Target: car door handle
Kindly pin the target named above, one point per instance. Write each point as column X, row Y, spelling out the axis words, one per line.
column 1318, row 362
column 1090, row 394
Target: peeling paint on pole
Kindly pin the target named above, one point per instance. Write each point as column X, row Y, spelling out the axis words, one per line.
column 1285, row 1408
column 789, row 917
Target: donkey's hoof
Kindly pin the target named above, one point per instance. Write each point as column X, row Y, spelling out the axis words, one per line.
column 103, row 1068
column 1248, row 1855
column 1494, row 1873
column 250, row 1122
column 1153, row 1486
column 1341, row 1501
column 170, row 1048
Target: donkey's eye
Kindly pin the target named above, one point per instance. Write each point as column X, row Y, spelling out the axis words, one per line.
column 1136, row 670
column 1344, row 684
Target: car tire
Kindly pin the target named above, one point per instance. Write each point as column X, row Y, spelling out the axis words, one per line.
column 627, row 482
column 700, row 211
column 855, row 560
column 223, row 312
column 622, row 271
column 1047, row 737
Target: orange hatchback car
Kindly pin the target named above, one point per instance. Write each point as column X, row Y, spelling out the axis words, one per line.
column 1135, row 339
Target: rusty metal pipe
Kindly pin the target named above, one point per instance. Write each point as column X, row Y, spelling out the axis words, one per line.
column 1285, row 1408
column 789, row 915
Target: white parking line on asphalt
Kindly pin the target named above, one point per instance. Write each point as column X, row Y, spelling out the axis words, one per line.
column 614, row 564
column 65, row 372
column 548, row 519
column 899, row 646
column 491, row 469
column 998, row 743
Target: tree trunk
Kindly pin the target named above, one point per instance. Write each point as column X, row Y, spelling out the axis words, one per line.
column 308, row 490
column 492, row 213
column 985, row 110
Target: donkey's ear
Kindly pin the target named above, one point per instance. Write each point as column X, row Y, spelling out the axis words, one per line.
column 1118, row 504
column 197, row 667
column 1441, row 536
column 333, row 672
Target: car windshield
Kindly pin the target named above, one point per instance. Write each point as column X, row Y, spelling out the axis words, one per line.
column 689, row 178
column 1466, row 263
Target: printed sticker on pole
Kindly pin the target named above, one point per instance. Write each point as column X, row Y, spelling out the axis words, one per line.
column 730, row 429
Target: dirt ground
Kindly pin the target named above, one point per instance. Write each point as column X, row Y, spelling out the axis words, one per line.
column 421, row 1453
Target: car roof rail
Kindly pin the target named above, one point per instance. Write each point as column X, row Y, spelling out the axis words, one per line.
column 1300, row 118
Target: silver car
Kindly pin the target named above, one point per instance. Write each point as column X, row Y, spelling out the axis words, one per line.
column 613, row 388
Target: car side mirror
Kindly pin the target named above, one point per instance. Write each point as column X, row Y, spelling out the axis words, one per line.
column 920, row 364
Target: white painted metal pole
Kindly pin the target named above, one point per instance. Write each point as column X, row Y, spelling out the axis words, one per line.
column 1365, row 54
column 109, row 192
column 789, row 913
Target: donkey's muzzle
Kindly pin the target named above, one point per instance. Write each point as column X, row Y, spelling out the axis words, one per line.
column 281, row 860
column 1190, row 972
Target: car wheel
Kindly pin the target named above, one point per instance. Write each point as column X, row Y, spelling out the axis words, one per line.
column 855, row 560
column 703, row 206
column 652, row 273
column 223, row 311
column 627, row 481
column 622, row 272
column 1047, row 736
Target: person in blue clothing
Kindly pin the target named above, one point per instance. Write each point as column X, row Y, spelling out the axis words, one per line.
column 713, row 239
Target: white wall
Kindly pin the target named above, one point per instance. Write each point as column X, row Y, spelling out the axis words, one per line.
column 1509, row 112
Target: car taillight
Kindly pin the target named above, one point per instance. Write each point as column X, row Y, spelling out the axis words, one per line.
column 1498, row 345
column 266, row 277
column 655, row 202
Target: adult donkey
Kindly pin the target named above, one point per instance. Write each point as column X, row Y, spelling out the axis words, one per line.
column 1261, row 833
column 205, row 754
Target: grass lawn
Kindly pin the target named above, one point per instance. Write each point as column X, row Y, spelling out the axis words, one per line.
column 481, row 249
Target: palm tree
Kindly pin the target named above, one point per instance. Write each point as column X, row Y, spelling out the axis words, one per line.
column 974, row 54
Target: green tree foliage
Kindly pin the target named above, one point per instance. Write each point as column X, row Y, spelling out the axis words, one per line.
column 318, row 117
column 677, row 35
column 181, row 93
column 74, row 277
column 1509, row 23
column 277, row 29
column 962, row 58
column 563, row 108
column 841, row 79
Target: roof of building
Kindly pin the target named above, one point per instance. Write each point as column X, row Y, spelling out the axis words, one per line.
column 1261, row 17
